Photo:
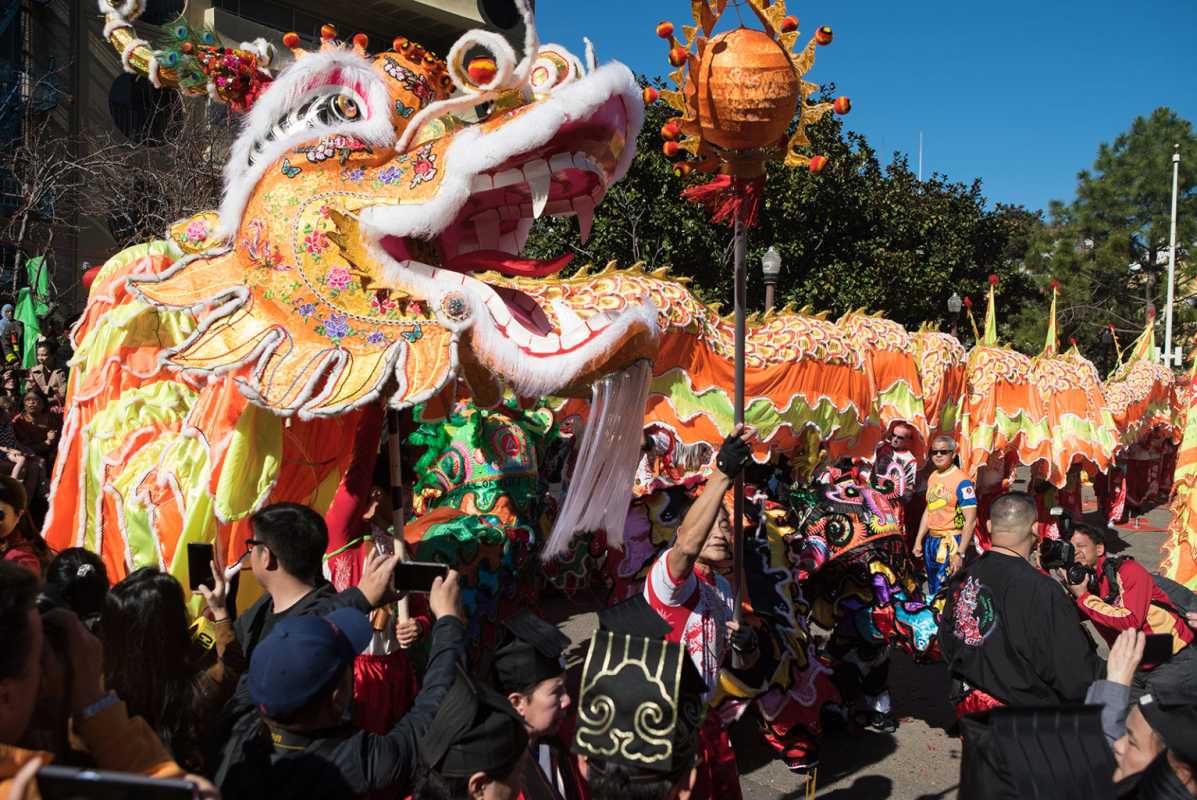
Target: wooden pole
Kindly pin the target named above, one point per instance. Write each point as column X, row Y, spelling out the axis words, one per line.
column 396, row 463
column 740, row 289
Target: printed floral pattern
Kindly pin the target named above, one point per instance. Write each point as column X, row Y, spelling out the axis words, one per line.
column 390, row 175
column 196, row 231
column 423, row 166
column 336, row 326
column 416, row 84
column 337, row 278
column 340, row 147
column 315, row 243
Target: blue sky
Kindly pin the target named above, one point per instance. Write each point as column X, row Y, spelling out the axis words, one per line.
column 1018, row 93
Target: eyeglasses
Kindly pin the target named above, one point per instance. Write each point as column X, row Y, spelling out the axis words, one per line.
column 942, row 452
column 251, row 543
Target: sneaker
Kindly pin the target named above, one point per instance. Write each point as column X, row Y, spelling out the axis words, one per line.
column 876, row 721
column 803, row 766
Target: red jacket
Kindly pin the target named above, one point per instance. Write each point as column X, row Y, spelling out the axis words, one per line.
column 1140, row 605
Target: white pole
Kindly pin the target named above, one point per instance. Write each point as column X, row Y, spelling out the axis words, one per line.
column 1171, row 259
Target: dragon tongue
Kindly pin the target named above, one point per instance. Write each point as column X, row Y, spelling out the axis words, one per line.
column 507, row 264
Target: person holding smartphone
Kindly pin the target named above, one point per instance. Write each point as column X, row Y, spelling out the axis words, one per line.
column 294, row 739
column 52, row 653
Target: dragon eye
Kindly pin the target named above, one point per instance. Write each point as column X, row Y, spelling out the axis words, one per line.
column 345, row 107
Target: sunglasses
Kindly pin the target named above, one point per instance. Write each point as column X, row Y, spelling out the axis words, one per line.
column 942, row 452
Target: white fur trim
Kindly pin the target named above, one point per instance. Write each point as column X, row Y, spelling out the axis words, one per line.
column 114, row 24
column 473, row 152
column 280, row 97
column 127, row 53
column 591, row 57
column 531, row 376
column 493, row 43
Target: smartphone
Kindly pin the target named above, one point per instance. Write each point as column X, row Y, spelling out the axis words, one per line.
column 1158, row 648
column 199, row 565
column 72, row 783
column 417, row 576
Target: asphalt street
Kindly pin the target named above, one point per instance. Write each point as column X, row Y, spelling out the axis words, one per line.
column 921, row 761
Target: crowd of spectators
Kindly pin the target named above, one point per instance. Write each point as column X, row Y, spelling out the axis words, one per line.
column 269, row 702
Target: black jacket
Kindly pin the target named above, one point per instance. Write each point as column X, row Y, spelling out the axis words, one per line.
column 1014, row 633
column 258, row 620
column 259, row 763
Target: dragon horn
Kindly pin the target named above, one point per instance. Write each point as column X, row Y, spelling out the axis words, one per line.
column 138, row 57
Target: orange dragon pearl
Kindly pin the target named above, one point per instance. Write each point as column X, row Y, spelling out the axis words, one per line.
column 482, row 70
column 677, row 56
column 670, row 149
column 817, row 164
column 789, row 24
column 823, row 35
column 670, row 131
column 664, row 29
column 291, row 40
column 650, row 95
column 842, row 105
column 328, row 31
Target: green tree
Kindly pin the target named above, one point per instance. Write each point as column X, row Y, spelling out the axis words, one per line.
column 858, row 235
column 1108, row 248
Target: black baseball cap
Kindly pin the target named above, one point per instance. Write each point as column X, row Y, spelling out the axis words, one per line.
column 302, row 656
column 1173, row 715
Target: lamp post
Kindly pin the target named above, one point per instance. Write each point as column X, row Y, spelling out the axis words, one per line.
column 954, row 306
column 770, row 270
column 1171, row 261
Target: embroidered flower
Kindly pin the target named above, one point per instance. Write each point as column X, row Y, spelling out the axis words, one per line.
column 336, row 326
column 376, row 338
column 337, row 278
column 315, row 243
column 353, row 175
column 423, row 166
column 390, row 175
column 196, row 231
column 306, row 310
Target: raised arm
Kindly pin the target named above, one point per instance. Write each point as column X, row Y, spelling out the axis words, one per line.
column 696, row 525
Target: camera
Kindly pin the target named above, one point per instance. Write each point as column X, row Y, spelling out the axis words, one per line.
column 1059, row 553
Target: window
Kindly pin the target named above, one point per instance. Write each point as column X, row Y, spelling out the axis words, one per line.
column 139, row 111
column 160, row 12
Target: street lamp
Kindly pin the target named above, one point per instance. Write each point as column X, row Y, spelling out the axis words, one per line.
column 770, row 270
column 954, row 306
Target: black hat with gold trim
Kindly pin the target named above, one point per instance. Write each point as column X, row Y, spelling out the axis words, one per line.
column 640, row 703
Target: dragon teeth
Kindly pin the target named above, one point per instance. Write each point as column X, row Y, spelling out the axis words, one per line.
column 584, row 207
column 486, row 226
column 540, row 181
column 508, row 177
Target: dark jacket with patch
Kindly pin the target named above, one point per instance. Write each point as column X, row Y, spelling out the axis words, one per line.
column 1013, row 632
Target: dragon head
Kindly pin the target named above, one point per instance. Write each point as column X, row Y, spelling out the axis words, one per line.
column 374, row 211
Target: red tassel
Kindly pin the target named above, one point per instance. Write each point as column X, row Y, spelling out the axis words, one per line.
column 727, row 198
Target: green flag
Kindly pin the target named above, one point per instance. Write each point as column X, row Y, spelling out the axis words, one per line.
column 31, row 304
